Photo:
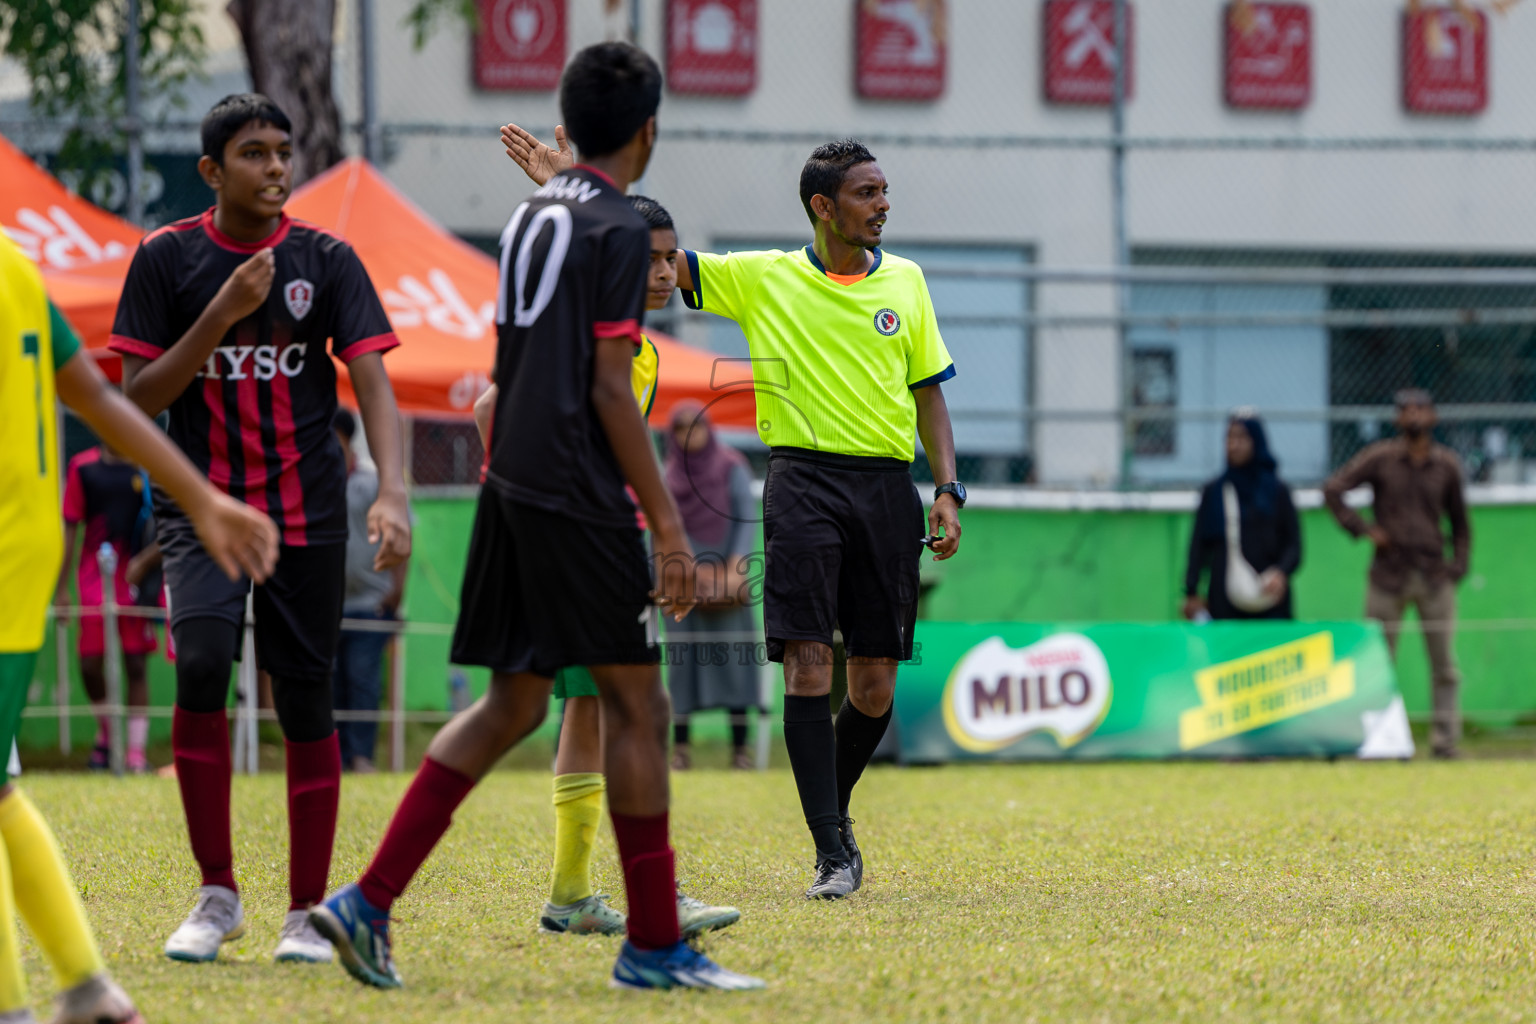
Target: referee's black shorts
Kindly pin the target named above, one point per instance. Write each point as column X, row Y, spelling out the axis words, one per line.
column 843, row 542
column 543, row 591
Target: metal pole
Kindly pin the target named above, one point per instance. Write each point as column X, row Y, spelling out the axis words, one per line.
column 397, row 713
column 767, row 679
column 106, row 561
column 368, row 82
column 132, row 123
column 1122, row 246
column 61, row 681
column 246, row 755
column 61, row 625
column 634, row 22
column 408, row 447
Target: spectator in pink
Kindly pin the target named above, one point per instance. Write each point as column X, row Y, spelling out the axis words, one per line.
column 109, row 497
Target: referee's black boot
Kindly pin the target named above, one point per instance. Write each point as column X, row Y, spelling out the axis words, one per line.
column 855, row 858
column 834, row 880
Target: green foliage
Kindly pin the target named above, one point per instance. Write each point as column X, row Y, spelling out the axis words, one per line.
column 1191, row 892
column 72, row 51
column 424, row 17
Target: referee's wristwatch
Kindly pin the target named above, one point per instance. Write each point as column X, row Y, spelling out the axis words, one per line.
column 954, row 489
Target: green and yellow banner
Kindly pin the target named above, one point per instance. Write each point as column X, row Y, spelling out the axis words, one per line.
column 1028, row 691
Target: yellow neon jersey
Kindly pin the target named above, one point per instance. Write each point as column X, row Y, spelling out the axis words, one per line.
column 34, row 341
column 643, row 373
column 835, row 363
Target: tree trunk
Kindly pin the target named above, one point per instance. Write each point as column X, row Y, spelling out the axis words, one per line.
column 288, row 51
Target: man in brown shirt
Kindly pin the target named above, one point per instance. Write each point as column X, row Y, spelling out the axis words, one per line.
column 1416, row 484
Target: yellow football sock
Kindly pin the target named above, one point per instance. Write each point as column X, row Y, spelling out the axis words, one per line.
column 13, row 983
column 578, row 809
column 46, row 895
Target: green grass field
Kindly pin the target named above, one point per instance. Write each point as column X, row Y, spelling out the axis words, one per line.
column 1287, row 891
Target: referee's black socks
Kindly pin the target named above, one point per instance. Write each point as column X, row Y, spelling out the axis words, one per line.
column 814, row 757
column 857, row 737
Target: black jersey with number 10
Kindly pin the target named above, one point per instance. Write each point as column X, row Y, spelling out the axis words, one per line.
column 573, row 267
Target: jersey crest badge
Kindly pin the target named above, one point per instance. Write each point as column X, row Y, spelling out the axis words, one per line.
column 300, row 296
column 887, row 322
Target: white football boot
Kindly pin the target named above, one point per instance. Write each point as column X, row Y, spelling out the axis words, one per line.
column 217, row 918
column 299, row 943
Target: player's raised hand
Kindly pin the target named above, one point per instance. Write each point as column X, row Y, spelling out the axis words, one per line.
column 537, row 160
column 237, row 537
column 246, row 289
column 485, row 412
column 676, row 590
column 389, row 526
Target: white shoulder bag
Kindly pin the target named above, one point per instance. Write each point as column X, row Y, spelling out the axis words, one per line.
column 1245, row 587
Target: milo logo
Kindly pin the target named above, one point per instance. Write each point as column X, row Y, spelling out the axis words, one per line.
column 998, row 695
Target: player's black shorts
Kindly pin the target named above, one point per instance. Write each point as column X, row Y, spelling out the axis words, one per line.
column 543, row 591
column 843, row 542
column 298, row 608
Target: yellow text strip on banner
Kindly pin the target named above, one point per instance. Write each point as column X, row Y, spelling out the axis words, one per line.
column 1264, row 688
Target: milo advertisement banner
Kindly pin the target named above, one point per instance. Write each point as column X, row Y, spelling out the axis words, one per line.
column 1021, row 691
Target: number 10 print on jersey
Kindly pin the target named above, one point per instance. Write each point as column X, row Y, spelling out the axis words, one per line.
column 257, row 419
column 573, row 268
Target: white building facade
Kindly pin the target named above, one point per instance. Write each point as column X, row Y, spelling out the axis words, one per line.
column 990, row 173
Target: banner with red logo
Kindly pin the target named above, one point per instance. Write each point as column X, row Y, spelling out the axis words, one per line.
column 712, row 47
column 520, row 45
column 1080, row 51
column 902, row 52
column 1269, row 55
column 1445, row 60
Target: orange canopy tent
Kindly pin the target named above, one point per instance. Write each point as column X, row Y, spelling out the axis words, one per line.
column 440, row 294
column 83, row 250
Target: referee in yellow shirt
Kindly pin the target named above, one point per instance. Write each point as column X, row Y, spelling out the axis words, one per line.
column 40, row 357
column 848, row 364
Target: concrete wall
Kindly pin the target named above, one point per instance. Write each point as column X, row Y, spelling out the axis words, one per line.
column 1052, row 202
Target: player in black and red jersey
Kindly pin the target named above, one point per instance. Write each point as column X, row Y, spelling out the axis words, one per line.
column 224, row 321
column 557, row 572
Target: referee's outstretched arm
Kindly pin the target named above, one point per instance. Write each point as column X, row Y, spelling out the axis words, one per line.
column 938, row 439
column 685, row 283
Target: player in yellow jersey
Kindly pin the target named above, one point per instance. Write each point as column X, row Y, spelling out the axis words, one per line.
column 40, row 359
column 574, row 906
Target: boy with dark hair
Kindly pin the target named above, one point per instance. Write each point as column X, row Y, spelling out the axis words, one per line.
column 574, row 906
column 44, row 363
column 224, row 321
column 556, row 573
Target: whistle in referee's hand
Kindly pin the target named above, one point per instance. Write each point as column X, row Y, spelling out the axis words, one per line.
column 930, row 540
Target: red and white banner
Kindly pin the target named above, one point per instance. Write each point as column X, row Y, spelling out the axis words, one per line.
column 712, row 47
column 902, row 51
column 521, row 44
column 1269, row 55
column 1445, row 61
column 1080, row 51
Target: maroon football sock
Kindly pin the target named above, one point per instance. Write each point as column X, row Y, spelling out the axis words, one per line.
column 424, row 814
column 648, row 879
column 314, row 790
column 200, row 748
